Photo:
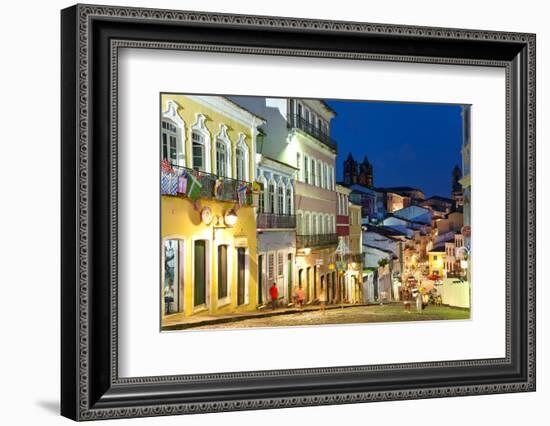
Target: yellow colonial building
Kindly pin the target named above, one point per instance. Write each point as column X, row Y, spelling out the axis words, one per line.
column 208, row 222
column 436, row 261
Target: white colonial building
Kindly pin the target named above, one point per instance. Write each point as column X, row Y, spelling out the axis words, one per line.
column 276, row 226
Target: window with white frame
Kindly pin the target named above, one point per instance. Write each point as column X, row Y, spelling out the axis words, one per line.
column 271, row 197
column 221, row 158
column 313, row 224
column 280, row 198
column 306, row 224
column 299, row 224
column 288, row 200
column 261, row 196
column 271, row 266
column 299, row 166
column 198, row 149
column 306, row 169
column 280, row 263
column 319, row 174
column 169, row 144
column 240, row 163
column 313, row 172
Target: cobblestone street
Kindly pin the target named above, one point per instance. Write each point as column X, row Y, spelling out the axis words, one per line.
column 360, row 314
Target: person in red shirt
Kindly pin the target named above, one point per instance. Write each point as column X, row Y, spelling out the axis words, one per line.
column 274, row 294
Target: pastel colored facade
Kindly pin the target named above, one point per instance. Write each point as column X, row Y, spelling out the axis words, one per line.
column 297, row 133
column 355, row 264
column 276, row 225
column 343, row 212
column 395, row 202
column 436, row 261
column 208, row 263
column 452, row 222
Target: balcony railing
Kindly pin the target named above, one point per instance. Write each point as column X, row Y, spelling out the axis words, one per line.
column 296, row 121
column 272, row 220
column 304, row 241
column 214, row 186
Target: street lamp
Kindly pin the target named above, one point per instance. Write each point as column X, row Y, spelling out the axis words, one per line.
column 230, row 218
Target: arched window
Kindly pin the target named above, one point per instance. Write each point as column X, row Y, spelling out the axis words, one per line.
column 280, row 198
column 200, row 145
column 271, row 197
column 199, row 162
column 240, row 163
column 313, row 224
column 262, row 195
column 299, row 224
column 169, row 142
column 221, row 158
column 241, row 159
column 289, row 200
column 223, row 153
column 172, row 135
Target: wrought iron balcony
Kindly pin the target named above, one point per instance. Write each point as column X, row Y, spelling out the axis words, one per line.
column 298, row 122
column 272, row 220
column 216, row 187
column 319, row 240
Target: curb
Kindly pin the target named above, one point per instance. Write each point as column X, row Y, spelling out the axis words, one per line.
column 183, row 326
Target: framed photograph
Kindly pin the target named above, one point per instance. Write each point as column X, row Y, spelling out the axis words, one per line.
column 263, row 212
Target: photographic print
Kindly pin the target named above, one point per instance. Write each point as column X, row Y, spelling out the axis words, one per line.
column 294, row 212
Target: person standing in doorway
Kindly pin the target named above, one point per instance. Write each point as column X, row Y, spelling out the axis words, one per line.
column 274, row 294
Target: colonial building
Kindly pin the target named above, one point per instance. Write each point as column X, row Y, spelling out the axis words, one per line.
column 358, row 173
column 208, row 223
column 440, row 206
column 456, row 188
column 276, row 222
column 297, row 133
column 360, row 179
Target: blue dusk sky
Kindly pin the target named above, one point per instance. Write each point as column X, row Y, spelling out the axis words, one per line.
column 408, row 144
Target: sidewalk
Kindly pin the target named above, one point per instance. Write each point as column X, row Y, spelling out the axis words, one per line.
column 180, row 322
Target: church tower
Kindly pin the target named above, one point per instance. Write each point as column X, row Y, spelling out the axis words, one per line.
column 456, row 187
column 365, row 173
column 350, row 170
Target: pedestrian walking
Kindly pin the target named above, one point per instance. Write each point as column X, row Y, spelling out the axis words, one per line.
column 323, row 300
column 274, row 294
column 294, row 296
column 418, row 302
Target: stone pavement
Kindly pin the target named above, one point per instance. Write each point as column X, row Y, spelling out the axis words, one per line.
column 179, row 322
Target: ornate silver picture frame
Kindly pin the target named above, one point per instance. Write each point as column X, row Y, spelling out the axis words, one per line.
column 91, row 39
